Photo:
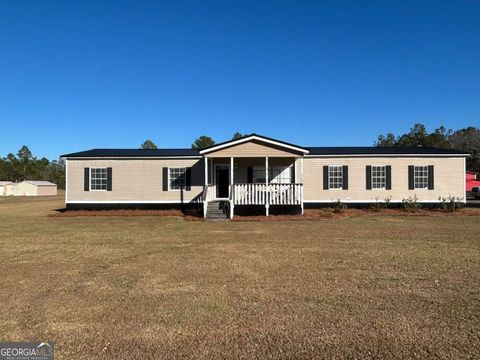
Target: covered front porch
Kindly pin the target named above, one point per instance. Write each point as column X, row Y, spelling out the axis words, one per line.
column 252, row 171
column 244, row 182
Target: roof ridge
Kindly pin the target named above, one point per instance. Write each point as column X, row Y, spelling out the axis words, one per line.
column 139, row 149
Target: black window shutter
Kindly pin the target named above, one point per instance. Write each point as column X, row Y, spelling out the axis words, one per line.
column 250, row 174
column 292, row 176
column 368, row 176
column 325, row 177
column 188, row 179
column 109, row 179
column 388, row 177
column 345, row 178
column 165, row 178
column 86, row 179
column 411, row 182
column 430, row 177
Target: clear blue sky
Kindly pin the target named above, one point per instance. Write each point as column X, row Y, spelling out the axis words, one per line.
column 75, row 76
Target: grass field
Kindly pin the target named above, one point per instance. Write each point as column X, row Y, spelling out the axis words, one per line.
column 162, row 287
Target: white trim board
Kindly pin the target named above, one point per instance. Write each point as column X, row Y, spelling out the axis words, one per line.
column 250, row 138
column 389, row 155
column 132, row 202
column 66, row 180
column 327, row 201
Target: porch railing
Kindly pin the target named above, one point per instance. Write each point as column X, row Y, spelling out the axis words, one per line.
column 272, row 194
column 208, row 193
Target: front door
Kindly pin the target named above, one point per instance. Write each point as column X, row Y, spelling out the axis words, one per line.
column 222, row 180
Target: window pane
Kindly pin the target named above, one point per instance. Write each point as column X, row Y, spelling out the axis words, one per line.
column 420, row 177
column 276, row 174
column 98, row 179
column 335, row 177
column 378, row 177
column 177, row 178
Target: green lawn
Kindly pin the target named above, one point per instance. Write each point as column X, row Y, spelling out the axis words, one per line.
column 162, row 287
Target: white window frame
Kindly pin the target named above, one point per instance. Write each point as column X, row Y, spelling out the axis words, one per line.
column 373, row 176
column 337, row 177
column 90, row 178
column 423, row 177
column 184, row 175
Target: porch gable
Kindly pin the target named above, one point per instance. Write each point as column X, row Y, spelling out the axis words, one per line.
column 254, row 146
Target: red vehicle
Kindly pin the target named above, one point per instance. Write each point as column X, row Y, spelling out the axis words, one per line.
column 472, row 184
column 471, row 181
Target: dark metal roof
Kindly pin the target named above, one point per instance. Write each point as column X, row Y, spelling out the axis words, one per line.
column 376, row 150
column 133, row 153
column 316, row 151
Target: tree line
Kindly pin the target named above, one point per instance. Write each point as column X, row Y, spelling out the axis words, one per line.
column 25, row 166
column 466, row 140
column 200, row 143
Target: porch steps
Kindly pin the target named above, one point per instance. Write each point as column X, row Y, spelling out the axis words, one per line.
column 217, row 211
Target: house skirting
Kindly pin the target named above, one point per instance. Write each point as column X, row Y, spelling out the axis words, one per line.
column 254, row 210
column 241, row 210
column 367, row 204
column 134, row 205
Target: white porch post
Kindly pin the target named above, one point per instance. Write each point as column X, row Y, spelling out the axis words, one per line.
column 301, row 178
column 267, row 195
column 301, row 169
column 205, row 188
column 206, row 170
column 232, row 205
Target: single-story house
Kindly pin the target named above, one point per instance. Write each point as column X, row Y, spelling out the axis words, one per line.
column 260, row 172
column 34, row 188
column 5, row 188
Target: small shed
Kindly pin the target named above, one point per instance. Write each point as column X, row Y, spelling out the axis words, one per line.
column 5, row 188
column 35, row 188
